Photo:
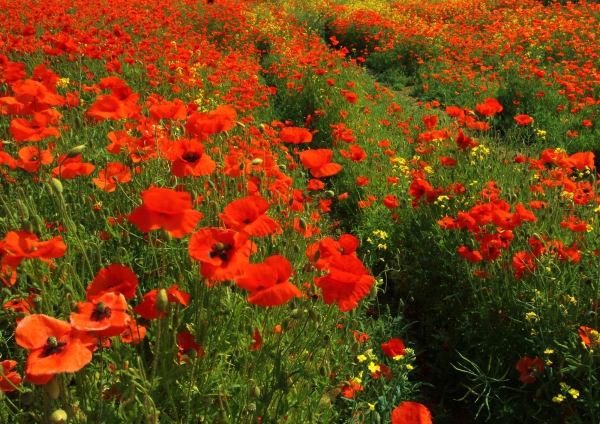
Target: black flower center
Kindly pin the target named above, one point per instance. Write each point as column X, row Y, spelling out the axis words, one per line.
column 101, row 312
column 190, row 157
column 53, row 346
column 220, row 249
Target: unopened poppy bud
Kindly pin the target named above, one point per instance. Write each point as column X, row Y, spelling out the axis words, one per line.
column 26, row 226
column 255, row 391
column 251, row 407
column 303, row 224
column 241, row 166
column 240, row 124
column 162, row 300
column 165, row 235
column 324, row 370
column 212, row 184
column 330, row 194
column 48, row 188
column 58, row 416
column 314, row 316
column 37, row 301
column 52, row 388
column 75, row 151
column 22, row 209
column 283, row 167
column 257, row 161
column 37, row 224
column 316, row 255
column 354, row 348
column 373, row 291
column 261, row 128
column 191, row 353
column 296, row 313
column 56, row 185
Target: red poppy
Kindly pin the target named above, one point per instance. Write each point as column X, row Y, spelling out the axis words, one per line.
column 105, row 315
column 445, row 161
column 168, row 209
column 114, row 173
column 391, row 202
column 268, row 282
column 219, row 120
column 430, row 121
column 114, row 278
column 394, row 347
column 472, row 256
column 188, row 158
column 464, row 142
column 351, row 97
column 347, row 282
column 175, row 110
column 523, row 119
column 384, row 371
column 21, row 305
column 70, row 168
column 188, row 346
column 31, row 158
column 248, row 215
column 9, row 379
column 589, row 336
column 319, row 162
column 107, row 107
column 147, row 309
column 54, row 347
column 323, row 252
column 523, row 263
column 295, row 135
column 411, row 413
column 134, row 333
column 19, row 245
column 257, row 340
column 223, row 253
column 34, row 130
column 489, row 107
column 350, row 388
column 528, row 368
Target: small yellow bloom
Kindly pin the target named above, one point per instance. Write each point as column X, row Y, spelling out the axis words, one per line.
column 574, row 393
column 398, row 357
column 374, row 368
column 409, row 367
column 361, row 358
column 558, row 398
column 371, row 406
column 549, row 351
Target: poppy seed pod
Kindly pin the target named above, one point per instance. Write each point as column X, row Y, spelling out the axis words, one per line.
column 251, row 407
column 58, row 416
column 257, row 161
column 162, row 300
column 27, row 397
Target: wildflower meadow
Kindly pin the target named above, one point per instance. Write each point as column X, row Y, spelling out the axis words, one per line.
column 363, row 211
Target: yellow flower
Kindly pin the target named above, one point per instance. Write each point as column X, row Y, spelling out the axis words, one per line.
column 361, row 358
column 409, row 367
column 549, row 351
column 398, row 357
column 574, row 393
column 374, row 368
column 371, row 406
column 558, row 398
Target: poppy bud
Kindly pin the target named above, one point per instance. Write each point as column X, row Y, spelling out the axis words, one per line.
column 324, row 369
column 22, row 209
column 296, row 313
column 314, row 316
column 329, row 194
column 283, row 167
column 354, row 347
column 26, row 226
column 165, row 235
column 212, row 184
column 316, row 255
column 162, row 300
column 48, row 189
column 75, row 151
column 58, row 416
column 251, row 407
column 37, row 301
column 52, row 388
column 56, row 185
column 191, row 353
column 255, row 391
column 37, row 224
column 303, row 224
column 373, row 291
column 257, row 161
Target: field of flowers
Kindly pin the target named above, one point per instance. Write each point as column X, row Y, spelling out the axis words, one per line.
column 233, row 212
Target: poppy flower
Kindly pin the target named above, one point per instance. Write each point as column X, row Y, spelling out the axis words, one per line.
column 391, row 202
column 223, row 253
column 188, row 158
column 351, row 97
column 19, row 245
column 430, row 121
column 445, row 161
column 257, row 340
column 168, row 209
column 134, row 333
column 21, row 305
column 464, row 142
column 54, row 347
column 34, row 130
column 350, row 388
column 107, row 107
column 147, row 309
column 248, row 215
column 523, row 263
column 175, row 110
column 187, row 344
column 31, row 158
column 323, row 252
column 114, row 173
column 319, row 162
column 70, row 168
column 528, row 367
column 393, row 348
column 411, row 413
column 489, row 107
column 105, row 315
column 9, row 379
column 472, row 256
column 268, row 282
column 115, row 278
column 380, row 370
column 295, row 135
column 347, row 282
column 523, row 119
column 219, row 120
column 589, row 336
